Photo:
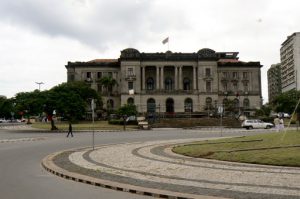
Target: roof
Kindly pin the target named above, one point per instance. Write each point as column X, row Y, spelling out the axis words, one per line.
column 103, row 60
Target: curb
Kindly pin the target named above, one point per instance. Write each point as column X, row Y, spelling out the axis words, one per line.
column 48, row 164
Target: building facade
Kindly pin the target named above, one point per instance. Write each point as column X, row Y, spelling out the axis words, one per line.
column 174, row 83
column 274, row 81
column 290, row 62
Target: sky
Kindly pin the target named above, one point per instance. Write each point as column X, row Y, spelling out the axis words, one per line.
column 39, row 37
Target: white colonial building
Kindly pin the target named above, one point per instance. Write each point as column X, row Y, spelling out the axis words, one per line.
column 175, row 83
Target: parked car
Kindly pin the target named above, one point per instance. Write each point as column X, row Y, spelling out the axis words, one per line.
column 2, row 120
column 257, row 124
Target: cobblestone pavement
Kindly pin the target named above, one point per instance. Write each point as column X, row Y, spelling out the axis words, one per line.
column 153, row 165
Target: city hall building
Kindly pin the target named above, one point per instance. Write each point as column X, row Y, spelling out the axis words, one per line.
column 174, row 83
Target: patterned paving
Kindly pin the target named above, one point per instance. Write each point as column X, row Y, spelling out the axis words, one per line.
column 153, row 165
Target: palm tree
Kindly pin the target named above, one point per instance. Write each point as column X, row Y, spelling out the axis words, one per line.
column 108, row 82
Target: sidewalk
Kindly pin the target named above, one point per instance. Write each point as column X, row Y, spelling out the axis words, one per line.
column 150, row 168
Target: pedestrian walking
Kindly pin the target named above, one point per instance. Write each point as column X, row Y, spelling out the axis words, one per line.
column 70, row 130
column 277, row 123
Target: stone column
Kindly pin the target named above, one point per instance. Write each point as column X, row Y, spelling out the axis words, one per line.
column 180, row 78
column 176, row 77
column 157, row 77
column 199, row 80
column 194, row 78
column 162, row 78
column 143, row 77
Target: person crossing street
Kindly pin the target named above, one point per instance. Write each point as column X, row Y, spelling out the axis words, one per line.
column 70, row 130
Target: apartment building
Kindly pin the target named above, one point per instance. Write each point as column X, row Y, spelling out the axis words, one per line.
column 290, row 62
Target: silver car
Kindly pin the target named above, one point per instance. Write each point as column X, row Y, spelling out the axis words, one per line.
column 257, row 124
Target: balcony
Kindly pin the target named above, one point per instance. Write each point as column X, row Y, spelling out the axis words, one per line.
column 130, row 77
column 208, row 77
column 224, row 79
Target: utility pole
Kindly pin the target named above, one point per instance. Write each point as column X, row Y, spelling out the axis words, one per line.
column 93, row 126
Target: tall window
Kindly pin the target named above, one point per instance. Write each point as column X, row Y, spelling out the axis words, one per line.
column 168, row 84
column 186, row 84
column 208, row 86
column 224, row 86
column 208, row 103
column 151, row 106
column 235, row 75
column 236, row 103
column 130, row 72
column 88, row 75
column 235, row 86
column 188, row 105
column 99, row 75
column 207, row 72
column 150, row 83
column 246, row 87
column 109, row 74
column 245, row 75
column 246, row 103
column 130, row 85
column 225, row 102
column 110, row 104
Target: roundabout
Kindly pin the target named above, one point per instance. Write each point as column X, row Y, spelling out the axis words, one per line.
column 151, row 168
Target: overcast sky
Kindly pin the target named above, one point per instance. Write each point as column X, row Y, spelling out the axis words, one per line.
column 39, row 37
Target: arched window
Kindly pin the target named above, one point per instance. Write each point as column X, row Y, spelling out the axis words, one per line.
column 151, row 106
column 208, row 103
column 130, row 101
column 168, row 84
column 208, row 86
column 188, row 105
column 225, row 102
column 186, row 84
column 110, row 104
column 236, row 103
column 246, row 103
column 150, row 83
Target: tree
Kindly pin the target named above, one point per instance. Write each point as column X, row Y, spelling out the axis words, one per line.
column 69, row 100
column 286, row 102
column 108, row 82
column 30, row 103
column 6, row 107
column 127, row 109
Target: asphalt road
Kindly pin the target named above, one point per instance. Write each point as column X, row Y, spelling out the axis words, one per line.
column 21, row 174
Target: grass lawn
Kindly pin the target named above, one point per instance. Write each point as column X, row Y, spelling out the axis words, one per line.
column 99, row 125
column 272, row 149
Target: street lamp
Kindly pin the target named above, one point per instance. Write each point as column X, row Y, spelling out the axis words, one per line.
column 39, row 83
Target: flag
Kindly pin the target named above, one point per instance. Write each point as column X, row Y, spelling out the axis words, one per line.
column 166, row 40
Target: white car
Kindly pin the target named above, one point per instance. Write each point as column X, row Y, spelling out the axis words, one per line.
column 3, row 120
column 256, row 124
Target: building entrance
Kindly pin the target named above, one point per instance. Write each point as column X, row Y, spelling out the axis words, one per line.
column 170, row 105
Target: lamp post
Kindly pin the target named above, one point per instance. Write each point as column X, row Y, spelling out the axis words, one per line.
column 93, row 126
column 39, row 83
